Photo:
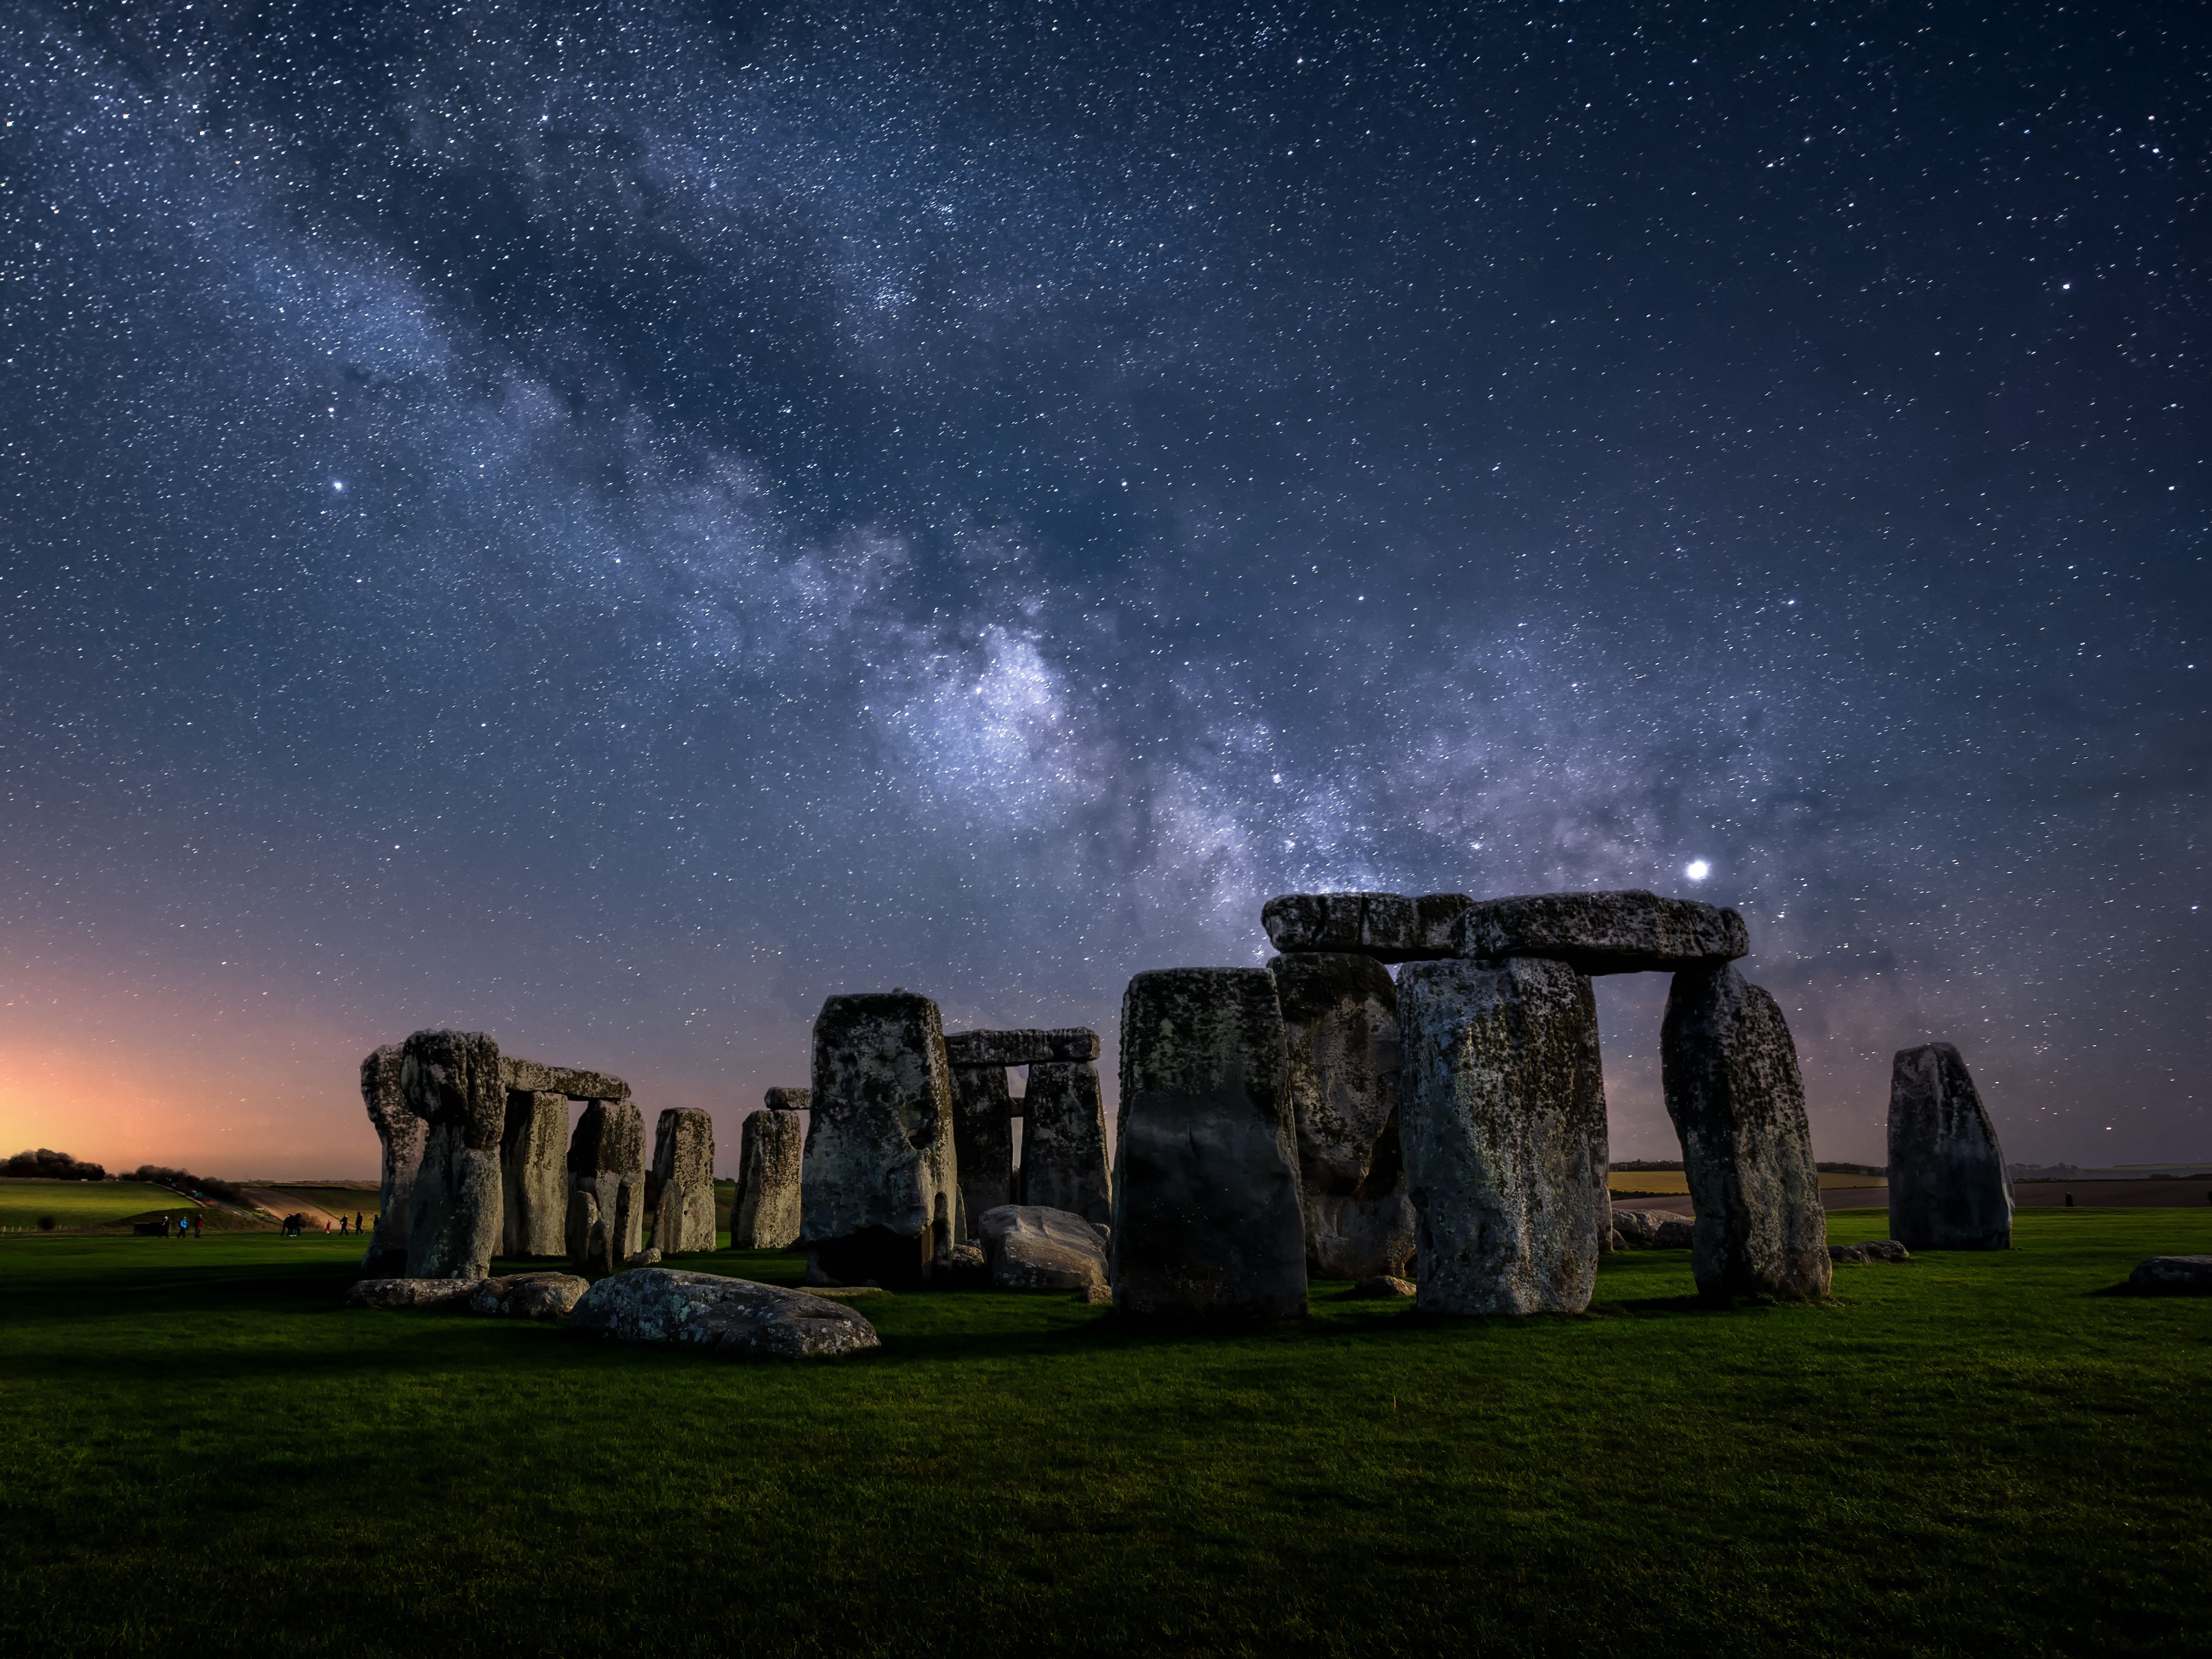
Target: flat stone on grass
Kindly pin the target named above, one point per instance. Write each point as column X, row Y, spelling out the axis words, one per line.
column 734, row 1317
column 2173, row 1275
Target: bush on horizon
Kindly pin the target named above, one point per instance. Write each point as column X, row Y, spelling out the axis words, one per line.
column 47, row 1164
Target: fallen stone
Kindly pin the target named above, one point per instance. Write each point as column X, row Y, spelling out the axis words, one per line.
column 526, row 1296
column 879, row 1178
column 570, row 1081
column 1948, row 1189
column 683, row 1170
column 1501, row 1104
column 1064, row 1141
column 454, row 1081
column 1619, row 932
column 1206, row 1227
column 2173, row 1275
column 1880, row 1249
column 1675, row 1232
column 765, row 1215
column 1095, row 1295
column 1031, row 1248
column 1730, row 1072
column 409, row 1292
column 402, row 1133
column 1641, row 1226
column 1388, row 927
column 646, row 1257
column 1063, row 1045
column 983, row 1141
column 533, row 1175
column 734, row 1317
column 606, row 1158
column 1340, row 1032
column 1379, row 1286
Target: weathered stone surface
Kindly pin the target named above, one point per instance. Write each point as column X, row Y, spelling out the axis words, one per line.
column 570, row 1082
column 1388, row 927
column 880, row 1177
column 1064, row 1141
column 403, row 1134
column 1879, row 1249
column 1063, row 1043
column 1732, row 1089
column 600, row 1257
column 1948, row 1189
column 787, row 1100
column 770, row 1143
column 1031, row 1248
column 452, row 1080
column 534, row 1175
column 1642, row 1227
column 1674, row 1232
column 1095, row 1295
column 583, row 1217
column 683, row 1170
column 647, row 1257
column 2173, row 1275
column 606, row 1158
column 1340, row 1027
column 983, row 1138
column 1381, row 1287
column 1207, row 1226
column 527, row 1296
column 409, row 1292
column 1497, row 1098
column 732, row 1316
column 1621, row 933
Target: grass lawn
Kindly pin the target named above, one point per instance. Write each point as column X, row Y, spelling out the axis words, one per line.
column 1674, row 1181
column 339, row 1200
column 83, row 1203
column 1973, row 1454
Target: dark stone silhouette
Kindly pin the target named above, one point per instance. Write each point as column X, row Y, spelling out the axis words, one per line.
column 1948, row 1189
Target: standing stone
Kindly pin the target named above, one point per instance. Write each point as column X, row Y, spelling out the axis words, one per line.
column 533, row 1175
column 770, row 1143
column 879, row 1179
column 583, row 1217
column 1205, row 1226
column 1730, row 1070
column 683, row 1170
column 606, row 1158
column 452, row 1081
column 1340, row 1026
column 402, row 1134
column 1947, row 1180
column 1064, row 1141
column 983, row 1137
column 1500, row 1105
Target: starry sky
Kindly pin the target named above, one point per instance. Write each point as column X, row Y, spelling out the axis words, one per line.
column 606, row 525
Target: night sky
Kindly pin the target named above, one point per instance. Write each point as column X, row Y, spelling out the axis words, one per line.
column 606, row 527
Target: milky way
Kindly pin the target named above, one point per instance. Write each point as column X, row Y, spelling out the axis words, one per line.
column 607, row 526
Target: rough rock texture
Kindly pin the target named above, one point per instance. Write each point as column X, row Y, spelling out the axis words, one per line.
column 1675, row 1232
column 1031, row 1248
column 1064, row 1141
column 645, row 1258
column 732, row 1316
column 1069, row 1042
column 534, row 1175
column 1500, row 1105
column 765, row 1215
column 1948, row 1189
column 1380, row 1286
column 583, row 1216
column 1641, row 1226
column 983, row 1138
column 1879, row 1249
column 526, row 1296
column 606, row 1158
column 408, row 1293
column 402, row 1133
column 571, row 1082
column 1340, row 1027
column 1207, row 1226
column 787, row 1100
column 879, row 1179
column 1388, row 927
column 452, row 1081
column 1623, row 933
column 683, row 1170
column 1729, row 1071
column 2173, row 1275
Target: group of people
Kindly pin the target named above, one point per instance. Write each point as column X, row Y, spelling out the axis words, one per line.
column 295, row 1225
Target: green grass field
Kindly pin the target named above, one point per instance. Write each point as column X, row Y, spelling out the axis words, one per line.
column 1674, row 1181
column 1972, row 1453
column 83, row 1203
column 338, row 1201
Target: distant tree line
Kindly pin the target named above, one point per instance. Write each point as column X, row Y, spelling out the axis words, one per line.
column 161, row 1175
column 50, row 1165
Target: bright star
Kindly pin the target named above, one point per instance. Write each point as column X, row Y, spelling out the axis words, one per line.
column 1699, row 870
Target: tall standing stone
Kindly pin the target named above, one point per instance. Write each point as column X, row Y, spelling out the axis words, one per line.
column 983, row 1137
column 1730, row 1070
column 1207, row 1226
column 533, row 1174
column 1064, row 1141
column 1340, row 1027
column 454, row 1082
column 1947, row 1180
column 606, row 1158
column 401, row 1134
column 879, row 1178
column 1501, row 1104
column 770, row 1144
column 683, row 1171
